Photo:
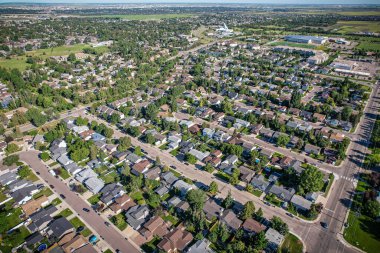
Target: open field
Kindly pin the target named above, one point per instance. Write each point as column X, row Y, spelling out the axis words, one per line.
column 291, row 244
column 363, row 233
column 358, row 26
column 369, row 46
column 359, row 13
column 19, row 62
column 145, row 17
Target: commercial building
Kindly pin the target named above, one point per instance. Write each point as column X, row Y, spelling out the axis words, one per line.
column 305, row 39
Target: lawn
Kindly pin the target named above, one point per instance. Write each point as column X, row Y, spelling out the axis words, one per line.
column 19, row 62
column 2, row 197
column 291, row 244
column 137, row 196
column 110, row 177
column 9, row 217
column 56, row 201
column 76, row 222
column 173, row 220
column 146, row 17
column 32, row 177
column 66, row 213
column 151, row 246
column 369, row 46
column 64, row 174
column 363, row 233
column 14, row 239
column 119, row 221
column 94, row 199
column 108, row 251
column 45, row 191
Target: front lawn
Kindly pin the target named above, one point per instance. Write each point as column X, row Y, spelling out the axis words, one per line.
column 291, row 244
column 56, row 201
column 119, row 221
column 66, row 213
column 362, row 232
column 64, row 174
column 151, row 246
column 94, row 199
column 45, row 191
column 110, row 177
column 76, row 222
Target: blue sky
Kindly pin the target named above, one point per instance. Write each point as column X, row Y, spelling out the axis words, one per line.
column 203, row 1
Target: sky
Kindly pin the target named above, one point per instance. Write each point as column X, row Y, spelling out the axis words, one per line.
column 203, row 1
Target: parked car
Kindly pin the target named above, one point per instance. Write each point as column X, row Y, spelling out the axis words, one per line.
column 51, row 186
column 324, row 225
column 86, row 210
column 62, row 196
column 80, row 229
column 107, row 223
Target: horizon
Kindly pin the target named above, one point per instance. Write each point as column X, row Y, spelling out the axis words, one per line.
column 270, row 2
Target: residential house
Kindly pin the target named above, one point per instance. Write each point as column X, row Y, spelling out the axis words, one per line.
column 246, row 174
column 153, row 173
column 212, row 210
column 59, row 227
column 176, row 240
column 260, row 183
column 140, row 167
column 137, row 216
column 23, row 195
column 312, row 149
column 182, row 187
column 300, row 203
column 201, row 246
column 40, row 219
column 274, row 238
column 208, row 132
column 169, row 178
column 156, row 226
column 252, row 226
column 162, row 190
column 124, row 202
column 199, row 154
column 110, row 192
column 230, row 219
column 281, row 192
column 34, row 205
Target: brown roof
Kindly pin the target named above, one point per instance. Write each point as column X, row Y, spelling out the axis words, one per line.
column 88, row 248
column 177, row 239
column 194, row 129
column 253, row 226
column 156, row 226
column 87, row 133
column 122, row 199
column 231, row 220
column 66, row 238
column 75, row 243
column 33, row 205
column 141, row 166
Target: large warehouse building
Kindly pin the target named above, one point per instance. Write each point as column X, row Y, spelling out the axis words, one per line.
column 305, row 39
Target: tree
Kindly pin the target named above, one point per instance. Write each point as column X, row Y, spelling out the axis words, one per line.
column 71, row 57
column 138, row 151
column 12, row 159
column 234, row 179
column 278, row 224
column 295, row 100
column 124, row 143
column 196, row 199
column 260, row 241
column 108, row 132
column 24, row 171
column 36, row 117
column 228, row 201
column 260, row 213
column 151, row 111
column 311, row 180
column 81, row 121
column 213, row 188
column 149, row 138
column 372, row 208
column 282, row 140
column 248, row 210
column 11, row 148
column 208, row 167
column 190, row 158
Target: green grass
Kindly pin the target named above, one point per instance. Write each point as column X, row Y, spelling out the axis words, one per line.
column 358, row 26
column 76, row 222
column 151, row 246
column 32, row 177
column 56, row 201
column 64, row 174
column 146, row 17
column 86, row 232
column 363, row 233
column 175, row 173
column 108, row 251
column 9, row 217
column 110, row 177
column 292, row 44
column 45, row 191
column 2, row 197
column 136, row 196
column 66, row 213
column 173, row 220
column 328, row 185
column 291, row 244
column 17, row 237
column 19, row 62
column 369, row 46
column 94, row 199
column 120, row 225
column 359, row 13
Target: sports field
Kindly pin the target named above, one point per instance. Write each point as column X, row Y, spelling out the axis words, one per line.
column 19, row 62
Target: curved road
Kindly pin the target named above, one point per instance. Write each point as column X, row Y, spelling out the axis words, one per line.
column 110, row 235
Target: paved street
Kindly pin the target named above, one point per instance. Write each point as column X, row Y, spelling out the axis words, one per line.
column 110, row 235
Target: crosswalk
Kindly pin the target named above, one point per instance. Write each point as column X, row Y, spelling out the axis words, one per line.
column 349, row 179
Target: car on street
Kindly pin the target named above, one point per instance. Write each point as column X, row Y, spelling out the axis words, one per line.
column 62, row 196
column 107, row 223
column 86, row 210
column 324, row 225
column 51, row 186
column 38, row 173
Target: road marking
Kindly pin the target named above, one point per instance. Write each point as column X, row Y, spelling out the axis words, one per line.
column 329, row 210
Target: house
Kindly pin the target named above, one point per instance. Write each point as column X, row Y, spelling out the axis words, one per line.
column 266, row 134
column 59, row 227
column 23, row 195
column 274, row 238
column 260, row 183
column 246, row 174
column 162, row 190
column 137, row 215
column 40, row 219
column 252, row 226
column 182, row 187
column 285, row 162
column 208, row 132
column 292, row 125
column 201, row 246
column 281, row 192
column 176, row 240
column 76, row 243
column 140, row 167
column 239, row 123
column 72, row 168
column 300, row 203
column 34, row 205
column 174, row 141
column 297, row 166
column 94, row 184
column 293, row 142
column 133, row 158
column 231, row 159
column 255, row 129
column 312, row 196
column 312, row 149
column 186, row 146
column 199, row 154
column 230, row 219
column 319, row 117
column 153, row 173
column 169, row 178
column 33, row 239
column 212, row 210
column 266, row 152
column 156, row 226
column 8, row 177
column 124, row 202
column 194, row 129
column 18, row 184
column 337, row 137
column 110, row 192
column 64, row 160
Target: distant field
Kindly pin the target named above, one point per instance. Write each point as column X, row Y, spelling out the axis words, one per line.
column 146, row 17
column 359, row 13
column 292, row 44
column 358, row 26
column 369, row 46
column 19, row 62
